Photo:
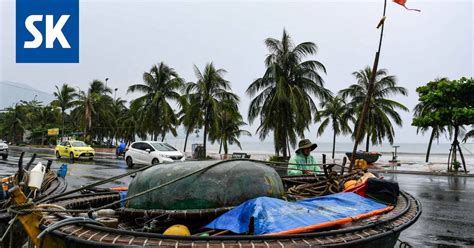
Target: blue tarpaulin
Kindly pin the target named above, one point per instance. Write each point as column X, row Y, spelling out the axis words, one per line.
column 274, row 215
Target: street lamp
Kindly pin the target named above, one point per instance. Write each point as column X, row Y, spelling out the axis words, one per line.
column 115, row 93
column 106, row 79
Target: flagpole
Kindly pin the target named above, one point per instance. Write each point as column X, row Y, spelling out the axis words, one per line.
column 361, row 124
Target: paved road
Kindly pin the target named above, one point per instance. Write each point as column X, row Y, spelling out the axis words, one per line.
column 448, row 202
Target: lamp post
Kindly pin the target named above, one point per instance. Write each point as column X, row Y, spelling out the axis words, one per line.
column 106, row 79
column 115, row 93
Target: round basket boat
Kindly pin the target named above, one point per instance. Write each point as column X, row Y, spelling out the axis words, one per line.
column 379, row 232
column 367, row 156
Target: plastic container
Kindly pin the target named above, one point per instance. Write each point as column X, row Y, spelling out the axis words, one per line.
column 36, row 176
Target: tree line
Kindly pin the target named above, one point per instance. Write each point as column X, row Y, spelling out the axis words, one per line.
column 285, row 101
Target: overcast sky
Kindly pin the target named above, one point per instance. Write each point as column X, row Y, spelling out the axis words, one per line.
column 120, row 40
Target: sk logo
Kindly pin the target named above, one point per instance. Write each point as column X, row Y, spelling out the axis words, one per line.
column 47, row 31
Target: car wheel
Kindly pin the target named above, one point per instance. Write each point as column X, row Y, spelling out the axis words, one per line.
column 58, row 156
column 155, row 161
column 91, row 158
column 4, row 157
column 71, row 156
column 129, row 162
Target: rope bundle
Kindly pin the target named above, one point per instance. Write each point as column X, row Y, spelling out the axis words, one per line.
column 323, row 186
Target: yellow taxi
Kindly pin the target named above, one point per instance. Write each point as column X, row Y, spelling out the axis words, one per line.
column 74, row 149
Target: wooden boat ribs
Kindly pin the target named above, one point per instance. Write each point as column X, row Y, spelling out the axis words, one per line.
column 387, row 226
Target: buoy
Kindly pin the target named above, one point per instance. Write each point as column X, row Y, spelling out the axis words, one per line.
column 178, row 230
column 36, row 176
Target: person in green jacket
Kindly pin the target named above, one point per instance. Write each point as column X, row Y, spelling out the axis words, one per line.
column 303, row 162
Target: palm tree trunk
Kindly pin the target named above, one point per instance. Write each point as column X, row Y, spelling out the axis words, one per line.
column 367, row 142
column 283, row 139
column 429, row 145
column 220, row 146
column 42, row 138
column 186, row 140
column 226, row 148
column 288, row 146
column 333, row 144
column 206, row 123
column 62, row 129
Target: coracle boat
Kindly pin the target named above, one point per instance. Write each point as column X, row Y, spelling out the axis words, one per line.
column 51, row 185
column 369, row 157
column 115, row 225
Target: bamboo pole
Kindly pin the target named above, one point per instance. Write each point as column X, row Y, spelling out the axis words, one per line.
column 365, row 109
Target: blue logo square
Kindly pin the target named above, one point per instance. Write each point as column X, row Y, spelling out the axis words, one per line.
column 47, row 31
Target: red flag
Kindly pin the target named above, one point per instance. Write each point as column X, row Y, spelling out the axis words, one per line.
column 402, row 3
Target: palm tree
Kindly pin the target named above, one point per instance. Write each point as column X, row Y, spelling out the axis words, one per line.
column 93, row 108
column 65, row 99
column 190, row 115
column 160, row 86
column 335, row 112
column 211, row 89
column 118, row 111
column 283, row 95
column 381, row 109
column 227, row 131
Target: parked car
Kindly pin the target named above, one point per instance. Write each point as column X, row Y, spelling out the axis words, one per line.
column 152, row 152
column 74, row 150
column 3, row 150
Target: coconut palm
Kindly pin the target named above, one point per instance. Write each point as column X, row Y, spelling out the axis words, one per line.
column 190, row 115
column 65, row 99
column 93, row 109
column 334, row 111
column 160, row 86
column 118, row 110
column 211, row 89
column 227, row 131
column 382, row 110
column 283, row 95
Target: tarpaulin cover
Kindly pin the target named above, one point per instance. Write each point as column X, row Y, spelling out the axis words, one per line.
column 274, row 215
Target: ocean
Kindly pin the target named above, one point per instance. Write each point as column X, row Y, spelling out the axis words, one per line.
column 410, row 156
column 266, row 147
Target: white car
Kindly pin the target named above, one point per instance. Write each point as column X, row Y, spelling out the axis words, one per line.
column 3, row 150
column 151, row 152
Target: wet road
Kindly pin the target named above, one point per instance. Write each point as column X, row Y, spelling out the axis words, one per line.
column 448, row 202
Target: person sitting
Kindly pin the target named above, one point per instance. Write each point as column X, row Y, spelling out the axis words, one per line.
column 303, row 162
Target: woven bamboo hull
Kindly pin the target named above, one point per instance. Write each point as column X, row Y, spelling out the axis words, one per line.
column 369, row 158
column 382, row 233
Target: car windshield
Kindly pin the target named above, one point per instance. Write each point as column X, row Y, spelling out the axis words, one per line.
column 78, row 144
column 163, row 147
